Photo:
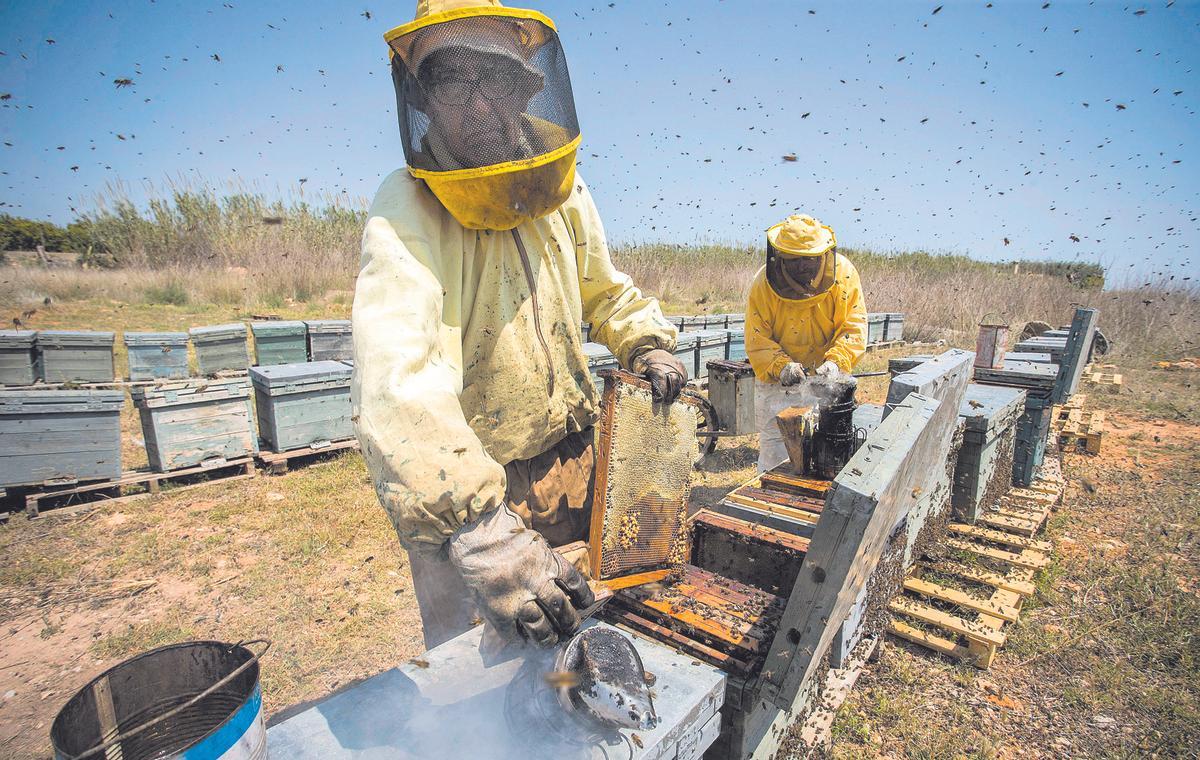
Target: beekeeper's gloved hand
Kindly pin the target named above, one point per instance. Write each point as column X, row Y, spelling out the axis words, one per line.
column 522, row 586
column 666, row 374
column 828, row 369
column 791, row 374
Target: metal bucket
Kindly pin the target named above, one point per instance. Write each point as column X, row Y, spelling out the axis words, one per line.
column 200, row 700
column 991, row 345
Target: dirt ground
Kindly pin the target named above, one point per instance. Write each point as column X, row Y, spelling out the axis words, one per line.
column 1102, row 664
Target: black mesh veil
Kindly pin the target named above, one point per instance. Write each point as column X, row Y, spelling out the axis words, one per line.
column 480, row 91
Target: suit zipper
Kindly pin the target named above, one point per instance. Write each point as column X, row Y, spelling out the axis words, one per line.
column 537, row 320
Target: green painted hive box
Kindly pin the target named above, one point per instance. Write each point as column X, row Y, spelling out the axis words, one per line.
column 876, row 327
column 302, row 405
column 220, row 347
column 687, row 349
column 59, row 436
column 282, row 342
column 187, row 423
column 712, row 345
column 18, row 357
column 157, row 355
column 329, row 340
column 66, row 356
column 983, row 471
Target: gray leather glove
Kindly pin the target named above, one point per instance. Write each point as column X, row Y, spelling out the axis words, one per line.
column 829, row 369
column 792, row 374
column 522, row 586
column 666, row 374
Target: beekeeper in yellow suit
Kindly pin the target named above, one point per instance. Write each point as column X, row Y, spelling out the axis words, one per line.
column 472, row 396
column 805, row 317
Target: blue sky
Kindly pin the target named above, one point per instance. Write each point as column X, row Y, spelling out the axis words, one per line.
column 686, row 108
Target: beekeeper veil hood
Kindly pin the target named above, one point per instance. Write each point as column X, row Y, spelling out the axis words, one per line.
column 801, row 257
column 486, row 110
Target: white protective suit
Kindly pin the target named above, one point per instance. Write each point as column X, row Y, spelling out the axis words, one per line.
column 468, row 351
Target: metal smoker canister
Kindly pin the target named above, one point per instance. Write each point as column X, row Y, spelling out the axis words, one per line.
column 836, row 439
column 198, row 699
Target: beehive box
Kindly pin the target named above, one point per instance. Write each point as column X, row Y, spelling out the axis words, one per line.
column 1033, row 430
column 157, row 356
column 1028, row 356
column 731, row 391
column 893, row 326
column 876, row 327
column 329, row 340
column 692, row 324
column 898, row 364
column 65, row 356
column 687, row 348
column 598, row 358
column 299, row 405
column 983, row 471
column 712, row 345
column 220, row 347
column 715, row 321
column 187, row 423
column 18, row 357
column 585, row 331
column 737, row 345
column 735, row 321
column 281, row 342
column 1053, row 346
column 52, row 436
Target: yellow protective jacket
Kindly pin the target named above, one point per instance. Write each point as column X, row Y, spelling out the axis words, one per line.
column 468, row 352
column 829, row 326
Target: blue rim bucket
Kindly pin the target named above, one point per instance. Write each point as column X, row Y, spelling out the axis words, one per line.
column 199, row 700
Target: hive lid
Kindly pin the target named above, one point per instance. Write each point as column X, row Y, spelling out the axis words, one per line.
column 74, row 338
column 328, row 325
column 276, row 329
column 59, row 401
column 185, row 390
column 155, row 338
column 990, row 407
column 17, row 338
column 218, row 332
column 1027, row 356
column 711, row 337
column 301, row 375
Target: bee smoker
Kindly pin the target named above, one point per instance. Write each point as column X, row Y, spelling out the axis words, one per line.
column 835, row 439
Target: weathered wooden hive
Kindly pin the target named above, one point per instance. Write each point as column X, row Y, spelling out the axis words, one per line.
column 187, row 423
column 301, row 405
column 220, row 347
column 1033, row 427
column 687, row 347
column 279, row 342
column 711, row 344
column 18, row 357
column 731, row 392
column 984, row 469
column 599, row 358
column 329, row 340
column 893, row 326
column 49, row 436
column 157, row 355
column 876, row 327
column 75, row 356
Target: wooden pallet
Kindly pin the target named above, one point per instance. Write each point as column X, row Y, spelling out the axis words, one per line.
column 277, row 463
column 219, row 470
column 957, row 623
column 1000, row 553
column 1079, row 435
column 1106, row 382
column 884, row 345
column 1071, row 410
